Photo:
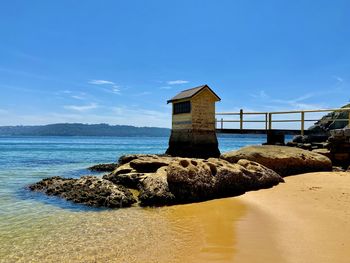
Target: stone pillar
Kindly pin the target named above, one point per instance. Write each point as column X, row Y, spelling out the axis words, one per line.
column 274, row 138
column 193, row 143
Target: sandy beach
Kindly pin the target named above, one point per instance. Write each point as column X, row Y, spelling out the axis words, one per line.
column 306, row 219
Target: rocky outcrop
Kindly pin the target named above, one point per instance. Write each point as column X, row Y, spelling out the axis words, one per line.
column 124, row 175
column 129, row 157
column 282, row 159
column 149, row 164
column 103, row 167
column 324, row 152
column 133, row 167
column 154, row 189
column 320, row 131
column 165, row 180
column 192, row 180
column 339, row 146
column 88, row 190
column 332, row 121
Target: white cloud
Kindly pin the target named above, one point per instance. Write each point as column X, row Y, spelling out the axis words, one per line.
column 115, row 89
column 339, row 79
column 81, row 108
column 144, row 93
column 77, row 97
column 177, row 82
column 260, row 95
column 111, row 87
column 101, row 82
column 165, row 87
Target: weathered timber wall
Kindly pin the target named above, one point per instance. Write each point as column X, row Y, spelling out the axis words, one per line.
column 203, row 111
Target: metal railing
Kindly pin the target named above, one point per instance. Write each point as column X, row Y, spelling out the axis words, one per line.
column 268, row 117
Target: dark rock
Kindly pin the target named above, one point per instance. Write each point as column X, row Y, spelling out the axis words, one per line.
column 104, row 167
column 154, row 189
column 192, row 180
column 88, row 190
column 338, row 169
column 129, row 179
column 320, row 131
column 282, row 159
column 292, row 144
column 331, row 121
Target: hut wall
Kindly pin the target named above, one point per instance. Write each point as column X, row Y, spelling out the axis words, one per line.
column 182, row 121
column 203, row 111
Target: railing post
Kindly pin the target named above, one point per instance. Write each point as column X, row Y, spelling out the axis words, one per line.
column 241, row 119
column 222, row 123
column 270, row 120
column 266, row 121
column 349, row 120
column 302, row 122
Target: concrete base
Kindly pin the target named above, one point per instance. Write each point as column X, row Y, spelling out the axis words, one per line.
column 274, row 138
column 194, row 144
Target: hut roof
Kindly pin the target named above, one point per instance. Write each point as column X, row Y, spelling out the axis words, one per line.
column 189, row 93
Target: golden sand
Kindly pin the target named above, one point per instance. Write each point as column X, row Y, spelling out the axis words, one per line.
column 307, row 219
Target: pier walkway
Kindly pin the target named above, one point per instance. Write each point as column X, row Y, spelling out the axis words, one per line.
column 268, row 121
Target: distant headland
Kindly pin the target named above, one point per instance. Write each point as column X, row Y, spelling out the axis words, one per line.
column 80, row 129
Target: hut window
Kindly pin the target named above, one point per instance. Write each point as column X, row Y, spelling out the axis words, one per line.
column 182, row 107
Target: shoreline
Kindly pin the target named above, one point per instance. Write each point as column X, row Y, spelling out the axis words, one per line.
column 306, row 219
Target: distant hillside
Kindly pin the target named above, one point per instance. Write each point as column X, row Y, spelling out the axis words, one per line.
column 79, row 129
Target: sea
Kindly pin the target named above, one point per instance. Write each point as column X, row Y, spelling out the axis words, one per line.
column 37, row 228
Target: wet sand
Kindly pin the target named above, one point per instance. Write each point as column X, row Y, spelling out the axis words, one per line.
column 307, row 219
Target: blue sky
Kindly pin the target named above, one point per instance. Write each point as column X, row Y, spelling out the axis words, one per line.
column 118, row 62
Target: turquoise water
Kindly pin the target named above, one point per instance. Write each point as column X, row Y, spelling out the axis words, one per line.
column 31, row 223
column 25, row 160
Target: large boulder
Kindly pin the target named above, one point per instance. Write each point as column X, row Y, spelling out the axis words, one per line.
column 192, row 180
column 154, row 189
column 282, row 159
column 133, row 167
column 88, row 190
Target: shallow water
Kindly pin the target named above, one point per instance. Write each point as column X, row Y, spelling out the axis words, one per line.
column 36, row 228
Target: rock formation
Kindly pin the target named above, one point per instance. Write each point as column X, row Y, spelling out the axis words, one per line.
column 282, row 159
column 154, row 189
column 192, row 180
column 320, row 131
column 104, row 167
column 339, row 147
column 165, row 180
column 88, row 190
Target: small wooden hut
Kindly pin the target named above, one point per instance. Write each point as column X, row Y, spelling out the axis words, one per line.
column 193, row 123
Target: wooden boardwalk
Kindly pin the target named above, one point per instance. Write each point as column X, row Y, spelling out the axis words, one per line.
column 268, row 121
column 261, row 131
